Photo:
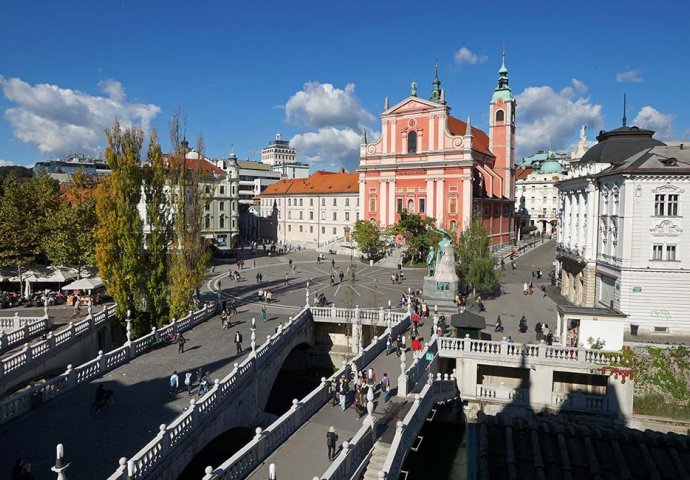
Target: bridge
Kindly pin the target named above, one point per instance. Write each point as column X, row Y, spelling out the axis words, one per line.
column 487, row 374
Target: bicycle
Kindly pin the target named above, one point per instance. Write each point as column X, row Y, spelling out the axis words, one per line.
column 109, row 402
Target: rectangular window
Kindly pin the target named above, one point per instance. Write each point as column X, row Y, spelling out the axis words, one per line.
column 422, row 205
column 347, row 216
column 289, row 228
column 672, row 209
column 207, row 207
column 323, row 202
column 289, row 202
column 323, row 230
column 335, row 202
column 300, row 202
column 671, row 252
column 222, row 189
column 399, row 205
column 323, row 215
column 311, row 229
column 311, row 202
column 289, row 214
column 659, row 203
column 372, row 205
column 453, row 205
column 357, row 216
column 311, row 215
column 301, row 215
column 335, row 216
column 301, row 228
column 221, row 206
column 222, row 221
column 347, row 202
column 335, row 231
column 658, row 252
column 208, row 189
column 358, row 201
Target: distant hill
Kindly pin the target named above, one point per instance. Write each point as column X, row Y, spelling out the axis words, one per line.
column 20, row 172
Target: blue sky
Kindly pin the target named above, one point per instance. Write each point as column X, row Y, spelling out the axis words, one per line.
column 319, row 71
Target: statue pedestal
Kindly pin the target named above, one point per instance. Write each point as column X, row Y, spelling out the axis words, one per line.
column 441, row 297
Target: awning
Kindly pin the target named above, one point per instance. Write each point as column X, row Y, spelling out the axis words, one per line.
column 85, row 284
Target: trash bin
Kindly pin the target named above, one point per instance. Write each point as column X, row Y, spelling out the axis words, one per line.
column 633, row 329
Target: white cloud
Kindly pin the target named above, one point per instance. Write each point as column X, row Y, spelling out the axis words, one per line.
column 60, row 120
column 652, row 119
column 320, row 105
column 547, row 117
column 6, row 163
column 630, row 76
column 466, row 56
column 329, row 147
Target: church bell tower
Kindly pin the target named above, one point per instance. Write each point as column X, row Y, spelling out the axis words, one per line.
column 502, row 130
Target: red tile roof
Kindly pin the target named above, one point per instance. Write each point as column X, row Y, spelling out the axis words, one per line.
column 480, row 140
column 319, row 182
column 522, row 173
column 202, row 164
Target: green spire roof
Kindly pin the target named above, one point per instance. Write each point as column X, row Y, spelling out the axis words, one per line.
column 436, row 91
column 502, row 89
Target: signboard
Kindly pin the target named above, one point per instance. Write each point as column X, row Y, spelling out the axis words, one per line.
column 430, row 356
column 637, row 289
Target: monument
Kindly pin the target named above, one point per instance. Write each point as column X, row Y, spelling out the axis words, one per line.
column 442, row 282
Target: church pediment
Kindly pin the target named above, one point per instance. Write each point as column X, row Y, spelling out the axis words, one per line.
column 411, row 104
column 666, row 228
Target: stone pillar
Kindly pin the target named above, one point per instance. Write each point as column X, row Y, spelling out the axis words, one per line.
column 440, row 201
column 60, row 466
column 430, row 207
column 383, row 202
column 402, row 379
column 391, row 203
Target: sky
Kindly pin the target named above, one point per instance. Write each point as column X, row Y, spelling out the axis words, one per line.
column 318, row 72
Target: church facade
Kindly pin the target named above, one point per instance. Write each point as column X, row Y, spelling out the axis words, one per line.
column 430, row 163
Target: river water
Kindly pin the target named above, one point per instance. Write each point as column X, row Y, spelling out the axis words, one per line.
column 442, row 454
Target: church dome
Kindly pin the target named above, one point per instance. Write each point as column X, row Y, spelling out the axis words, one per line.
column 551, row 165
column 615, row 146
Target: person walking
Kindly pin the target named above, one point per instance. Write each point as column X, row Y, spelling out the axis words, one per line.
column 258, row 278
column 386, row 387
column 238, row 341
column 174, row 383
column 264, row 313
column 188, row 382
column 331, row 441
column 344, row 392
column 525, row 288
column 398, row 346
column 287, row 281
column 180, row 343
column 538, row 330
column 389, row 344
column 341, row 275
column 204, row 383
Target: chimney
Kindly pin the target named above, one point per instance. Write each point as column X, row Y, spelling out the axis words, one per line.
column 611, row 305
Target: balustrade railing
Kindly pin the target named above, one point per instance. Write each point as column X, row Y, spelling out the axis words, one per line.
column 580, row 401
column 407, row 430
column 265, row 442
column 17, row 330
column 13, row 364
column 38, row 393
column 497, row 350
column 367, row 316
column 500, row 392
column 421, row 366
column 352, row 455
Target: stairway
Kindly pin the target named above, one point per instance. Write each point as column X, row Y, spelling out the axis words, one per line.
column 378, row 458
column 393, row 259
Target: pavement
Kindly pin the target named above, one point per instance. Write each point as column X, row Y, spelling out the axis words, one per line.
column 305, row 454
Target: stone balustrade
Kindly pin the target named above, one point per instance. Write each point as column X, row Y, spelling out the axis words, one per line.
column 530, row 353
column 503, row 393
column 365, row 316
column 421, row 366
column 22, row 402
column 265, row 442
column 17, row 330
column 406, row 433
column 354, row 452
column 580, row 401
column 13, row 364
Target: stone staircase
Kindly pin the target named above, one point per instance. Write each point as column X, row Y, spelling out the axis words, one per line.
column 393, row 260
column 378, row 458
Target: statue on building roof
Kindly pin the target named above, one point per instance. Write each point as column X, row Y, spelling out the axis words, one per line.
column 414, row 88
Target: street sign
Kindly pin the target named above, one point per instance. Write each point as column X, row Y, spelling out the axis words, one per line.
column 637, row 289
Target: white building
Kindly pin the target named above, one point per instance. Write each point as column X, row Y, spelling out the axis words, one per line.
column 313, row 211
column 282, row 159
column 623, row 229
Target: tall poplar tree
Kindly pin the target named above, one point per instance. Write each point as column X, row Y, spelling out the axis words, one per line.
column 158, row 238
column 119, row 236
column 476, row 262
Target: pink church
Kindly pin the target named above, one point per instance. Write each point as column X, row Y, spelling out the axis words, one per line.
column 429, row 162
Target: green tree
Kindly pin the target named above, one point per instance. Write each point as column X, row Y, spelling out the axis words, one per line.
column 119, row 236
column 474, row 255
column 418, row 234
column 368, row 238
column 71, row 239
column 190, row 252
column 158, row 237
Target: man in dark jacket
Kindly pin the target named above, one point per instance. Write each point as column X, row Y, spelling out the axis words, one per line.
column 331, row 440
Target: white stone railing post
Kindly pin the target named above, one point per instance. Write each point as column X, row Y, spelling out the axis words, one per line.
column 253, row 336
column 370, row 405
column 129, row 326
column 60, row 466
column 402, row 379
column 209, row 474
column 272, row 471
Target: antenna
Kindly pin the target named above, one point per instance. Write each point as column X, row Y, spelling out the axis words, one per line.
column 624, row 108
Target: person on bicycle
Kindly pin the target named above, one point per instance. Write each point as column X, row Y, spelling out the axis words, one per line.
column 102, row 395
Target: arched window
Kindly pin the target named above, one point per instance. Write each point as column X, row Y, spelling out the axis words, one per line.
column 453, row 225
column 412, row 142
column 500, row 116
column 410, row 206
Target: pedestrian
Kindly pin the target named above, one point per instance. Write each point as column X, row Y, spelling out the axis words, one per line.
column 331, row 441
column 523, row 325
column 389, row 344
column 334, row 393
column 180, row 343
column 341, row 275
column 499, row 325
column 525, row 288
column 258, row 277
column 510, row 339
column 384, row 381
column 531, row 287
column 174, row 383
column 287, row 281
column 538, row 331
column 398, row 345
column 204, row 383
column 294, row 268
column 545, row 332
column 333, row 264
column 344, row 391
column 188, row 382
column 264, row 313
column 238, row 341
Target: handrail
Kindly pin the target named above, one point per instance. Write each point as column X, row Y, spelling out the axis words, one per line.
column 265, row 442
column 353, row 454
column 372, row 316
column 21, row 403
column 421, row 366
column 449, row 347
column 17, row 330
column 407, row 430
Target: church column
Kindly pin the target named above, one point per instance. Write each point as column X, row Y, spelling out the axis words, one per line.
column 466, row 202
column 394, row 136
column 382, row 204
column 391, row 202
column 440, row 200
column 432, row 129
column 363, row 206
column 430, row 197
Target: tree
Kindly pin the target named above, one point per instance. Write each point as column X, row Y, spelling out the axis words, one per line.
column 368, row 238
column 71, row 239
column 119, row 236
column 476, row 261
column 159, row 236
column 418, row 234
column 190, row 252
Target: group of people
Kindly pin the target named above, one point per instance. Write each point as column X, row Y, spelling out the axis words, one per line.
column 203, row 382
column 363, row 381
column 397, row 278
column 265, row 295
